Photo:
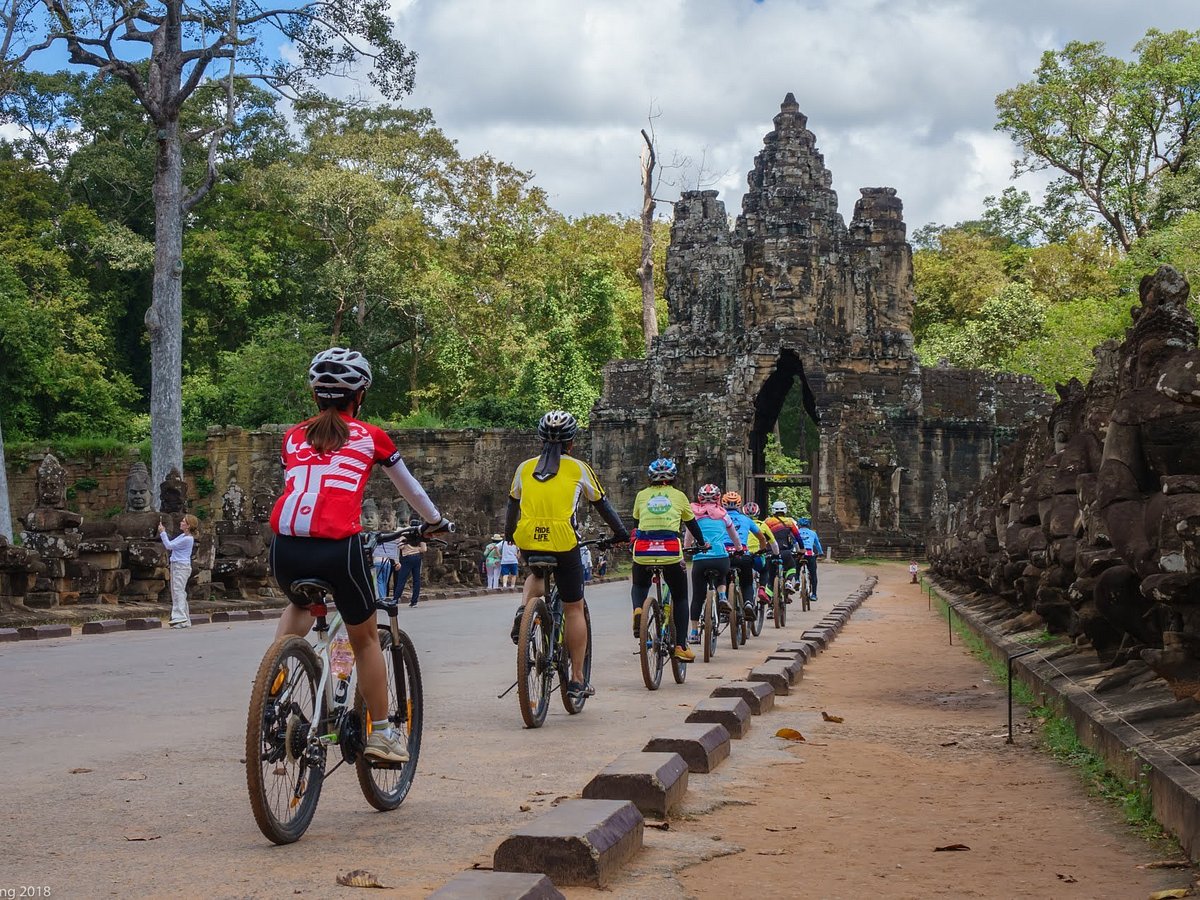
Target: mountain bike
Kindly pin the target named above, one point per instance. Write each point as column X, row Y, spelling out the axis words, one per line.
column 759, row 619
column 541, row 645
column 733, row 588
column 713, row 621
column 805, row 581
column 781, row 596
column 658, row 639
column 299, row 710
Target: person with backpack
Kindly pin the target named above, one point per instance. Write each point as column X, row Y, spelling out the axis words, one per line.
column 491, row 561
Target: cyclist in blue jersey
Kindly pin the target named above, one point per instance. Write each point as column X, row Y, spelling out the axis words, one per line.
column 744, row 562
column 715, row 525
column 811, row 550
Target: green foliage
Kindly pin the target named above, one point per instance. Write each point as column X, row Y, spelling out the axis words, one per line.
column 204, row 486
column 1013, row 316
column 1178, row 245
column 86, row 483
column 195, row 463
column 798, row 499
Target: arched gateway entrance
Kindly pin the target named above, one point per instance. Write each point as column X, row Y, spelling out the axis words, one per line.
column 798, row 435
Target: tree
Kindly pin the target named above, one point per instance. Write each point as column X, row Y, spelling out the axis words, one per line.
column 1118, row 132
column 182, row 40
column 646, row 267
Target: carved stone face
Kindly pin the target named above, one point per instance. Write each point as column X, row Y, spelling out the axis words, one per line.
column 137, row 489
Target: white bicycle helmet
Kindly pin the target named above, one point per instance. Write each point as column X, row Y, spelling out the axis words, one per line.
column 779, row 508
column 558, row 426
column 338, row 371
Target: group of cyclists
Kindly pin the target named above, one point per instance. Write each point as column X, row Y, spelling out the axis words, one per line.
column 328, row 458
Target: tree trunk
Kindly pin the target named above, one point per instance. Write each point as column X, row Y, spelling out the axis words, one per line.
column 5, row 516
column 164, row 318
column 646, row 269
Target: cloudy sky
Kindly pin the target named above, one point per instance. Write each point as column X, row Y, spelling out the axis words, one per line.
column 898, row 92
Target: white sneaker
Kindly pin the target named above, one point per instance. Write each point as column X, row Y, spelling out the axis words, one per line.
column 389, row 746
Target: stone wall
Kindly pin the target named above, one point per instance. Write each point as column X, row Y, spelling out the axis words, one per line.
column 1091, row 519
column 792, row 298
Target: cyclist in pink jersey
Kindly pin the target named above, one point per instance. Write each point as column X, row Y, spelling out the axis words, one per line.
column 326, row 462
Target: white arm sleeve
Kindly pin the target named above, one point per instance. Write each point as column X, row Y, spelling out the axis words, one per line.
column 410, row 489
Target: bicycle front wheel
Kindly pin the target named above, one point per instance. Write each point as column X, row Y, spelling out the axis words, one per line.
column 534, row 669
column 650, row 646
column 805, row 591
column 284, row 774
column 386, row 784
column 564, row 671
column 760, row 619
column 735, row 614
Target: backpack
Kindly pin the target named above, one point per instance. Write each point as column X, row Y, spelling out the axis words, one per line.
column 491, row 554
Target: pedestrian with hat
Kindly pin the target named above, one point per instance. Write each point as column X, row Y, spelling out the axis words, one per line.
column 491, row 561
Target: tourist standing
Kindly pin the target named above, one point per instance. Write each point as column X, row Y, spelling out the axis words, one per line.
column 491, row 561
column 411, row 557
column 386, row 556
column 181, row 567
column 585, row 556
column 508, row 563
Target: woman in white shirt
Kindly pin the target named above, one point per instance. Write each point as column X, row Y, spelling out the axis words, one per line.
column 181, row 567
column 508, row 563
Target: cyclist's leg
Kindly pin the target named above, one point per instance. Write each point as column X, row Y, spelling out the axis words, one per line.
column 569, row 576
column 721, row 564
column 290, row 559
column 675, row 575
column 639, row 590
column 699, row 588
column 812, row 575
column 745, row 567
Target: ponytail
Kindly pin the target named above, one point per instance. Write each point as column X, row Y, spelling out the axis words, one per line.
column 327, row 431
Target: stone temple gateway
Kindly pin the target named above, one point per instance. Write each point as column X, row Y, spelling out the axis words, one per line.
column 792, row 299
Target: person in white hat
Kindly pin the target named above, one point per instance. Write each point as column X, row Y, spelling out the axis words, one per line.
column 491, row 561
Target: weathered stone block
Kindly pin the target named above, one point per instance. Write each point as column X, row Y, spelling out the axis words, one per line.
column 479, row 884
column 142, row 624
column 52, row 520
column 775, row 674
column 42, row 632
column 231, row 615
column 732, row 712
column 703, row 747
column 42, row 599
column 8, row 635
column 580, row 842
column 653, row 782
column 759, row 695
column 818, row 636
column 110, row 559
column 104, row 626
column 802, row 649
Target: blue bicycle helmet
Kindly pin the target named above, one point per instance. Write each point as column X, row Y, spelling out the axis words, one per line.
column 662, row 470
column 804, row 521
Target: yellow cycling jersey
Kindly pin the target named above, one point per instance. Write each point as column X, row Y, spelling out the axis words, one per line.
column 752, row 544
column 548, row 507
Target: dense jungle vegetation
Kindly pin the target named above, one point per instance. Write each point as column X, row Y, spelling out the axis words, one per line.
column 476, row 301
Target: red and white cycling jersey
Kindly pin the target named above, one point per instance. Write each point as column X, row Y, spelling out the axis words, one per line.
column 322, row 493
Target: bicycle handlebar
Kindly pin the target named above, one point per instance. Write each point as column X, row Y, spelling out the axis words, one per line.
column 413, row 534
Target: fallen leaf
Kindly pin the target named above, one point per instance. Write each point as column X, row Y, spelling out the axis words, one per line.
column 950, row 744
column 1067, row 879
column 1166, row 864
column 951, row 847
column 524, row 807
column 79, row 771
column 1173, row 892
column 784, row 828
column 541, row 793
column 789, row 734
column 772, row 852
column 132, row 776
column 661, row 826
column 360, row 878
column 558, row 800
column 828, row 718
column 142, row 836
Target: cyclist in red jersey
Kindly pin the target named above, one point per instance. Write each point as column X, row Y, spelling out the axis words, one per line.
column 326, row 462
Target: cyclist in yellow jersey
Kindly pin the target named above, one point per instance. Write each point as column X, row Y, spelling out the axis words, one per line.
column 541, row 519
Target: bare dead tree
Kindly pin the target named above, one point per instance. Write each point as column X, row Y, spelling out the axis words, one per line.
column 183, row 38
column 645, row 271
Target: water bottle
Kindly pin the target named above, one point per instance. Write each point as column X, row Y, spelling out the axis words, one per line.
column 341, row 657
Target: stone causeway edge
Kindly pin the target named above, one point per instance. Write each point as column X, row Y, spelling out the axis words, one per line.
column 1174, row 786
column 612, row 835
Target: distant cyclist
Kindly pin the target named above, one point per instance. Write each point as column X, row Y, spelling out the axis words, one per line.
column 758, row 550
column 541, row 519
column 812, row 549
column 747, row 529
column 787, row 533
column 661, row 512
column 715, row 524
column 326, row 461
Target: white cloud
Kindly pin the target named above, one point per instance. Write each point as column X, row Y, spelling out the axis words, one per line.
column 897, row 93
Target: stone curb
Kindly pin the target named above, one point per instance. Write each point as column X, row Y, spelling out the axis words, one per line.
column 797, row 648
column 695, row 745
column 104, row 626
column 42, row 632
column 142, row 624
column 480, row 884
column 759, row 695
column 1174, row 787
column 231, row 615
column 653, row 782
column 731, row 712
column 580, row 842
column 774, row 674
column 792, row 664
column 8, row 635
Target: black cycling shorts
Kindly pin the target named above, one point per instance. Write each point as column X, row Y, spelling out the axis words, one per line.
column 341, row 562
column 568, row 574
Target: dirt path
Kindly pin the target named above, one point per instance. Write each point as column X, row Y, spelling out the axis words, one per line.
column 918, row 763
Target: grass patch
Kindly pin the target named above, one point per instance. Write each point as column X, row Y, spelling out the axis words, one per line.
column 1058, row 738
column 869, row 561
column 1042, row 639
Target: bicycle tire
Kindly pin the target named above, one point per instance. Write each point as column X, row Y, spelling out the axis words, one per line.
column 275, row 763
column 735, row 620
column 534, row 670
column 564, row 667
column 708, row 632
column 806, row 591
column 760, row 608
column 778, row 604
column 650, row 644
column 386, row 785
column 678, row 666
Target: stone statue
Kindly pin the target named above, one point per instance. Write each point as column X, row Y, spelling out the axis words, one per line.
column 233, row 503
column 51, row 483
column 173, row 493
column 138, row 497
column 370, row 515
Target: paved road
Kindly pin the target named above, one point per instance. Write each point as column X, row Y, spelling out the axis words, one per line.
column 159, row 718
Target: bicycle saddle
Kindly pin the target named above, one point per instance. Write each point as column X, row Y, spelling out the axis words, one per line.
column 542, row 560
column 311, row 590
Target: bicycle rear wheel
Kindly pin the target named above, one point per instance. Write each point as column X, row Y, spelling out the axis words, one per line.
column 671, row 640
column 534, row 669
column 805, row 590
column 564, row 667
column 708, row 632
column 650, row 647
column 760, row 608
column 779, row 603
column 384, row 784
column 283, row 774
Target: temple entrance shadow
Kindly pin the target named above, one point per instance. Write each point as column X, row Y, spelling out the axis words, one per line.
column 768, row 406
